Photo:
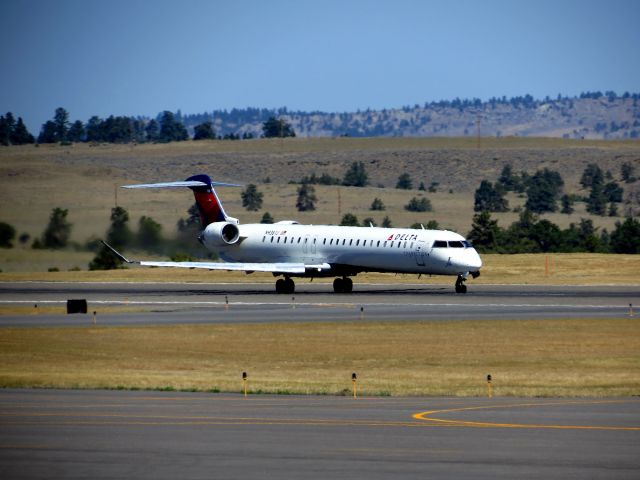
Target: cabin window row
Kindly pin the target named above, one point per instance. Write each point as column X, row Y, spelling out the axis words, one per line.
column 337, row 241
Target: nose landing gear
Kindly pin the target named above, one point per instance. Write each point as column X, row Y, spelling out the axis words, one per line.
column 460, row 286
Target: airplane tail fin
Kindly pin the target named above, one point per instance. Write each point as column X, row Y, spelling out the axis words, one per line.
column 209, row 205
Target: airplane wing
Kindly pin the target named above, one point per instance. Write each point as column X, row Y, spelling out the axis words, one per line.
column 282, row 267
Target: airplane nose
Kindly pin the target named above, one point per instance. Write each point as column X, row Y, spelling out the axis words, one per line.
column 469, row 261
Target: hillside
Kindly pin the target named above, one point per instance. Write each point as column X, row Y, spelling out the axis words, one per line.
column 590, row 116
column 84, row 178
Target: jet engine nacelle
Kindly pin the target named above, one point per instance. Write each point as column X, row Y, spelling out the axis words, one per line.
column 220, row 234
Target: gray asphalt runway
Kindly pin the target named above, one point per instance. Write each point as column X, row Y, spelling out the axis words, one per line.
column 114, row 434
column 256, row 302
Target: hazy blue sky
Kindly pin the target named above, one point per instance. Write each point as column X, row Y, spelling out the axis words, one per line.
column 139, row 57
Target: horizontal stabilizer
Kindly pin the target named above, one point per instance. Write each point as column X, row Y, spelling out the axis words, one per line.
column 183, row 183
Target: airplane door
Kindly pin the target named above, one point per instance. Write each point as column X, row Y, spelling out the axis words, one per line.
column 420, row 252
column 305, row 245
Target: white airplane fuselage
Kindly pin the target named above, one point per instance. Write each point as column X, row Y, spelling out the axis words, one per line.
column 356, row 249
column 289, row 249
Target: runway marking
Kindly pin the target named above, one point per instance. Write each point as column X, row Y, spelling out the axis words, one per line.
column 318, row 304
column 428, row 416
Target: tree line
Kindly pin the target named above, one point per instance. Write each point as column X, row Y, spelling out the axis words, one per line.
column 167, row 127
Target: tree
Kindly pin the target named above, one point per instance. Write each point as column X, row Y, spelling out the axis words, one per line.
column 489, row 198
column 404, row 182
column 386, row 222
column 543, row 190
column 626, row 237
column 119, row 235
column 57, row 233
column 356, row 176
column 367, row 222
column 277, row 127
column 76, row 132
column 152, row 131
column 590, row 174
column 349, row 220
column 266, row 218
column 484, row 232
column 613, row 192
column 626, row 172
column 251, row 198
column 47, row 132
column 105, row 259
column 418, row 205
column 61, row 122
column 149, row 234
column 306, row 198
column 377, row 205
column 508, row 181
column 567, row 204
column 597, row 201
column 204, row 131
column 94, row 130
column 7, row 234
column 171, row 130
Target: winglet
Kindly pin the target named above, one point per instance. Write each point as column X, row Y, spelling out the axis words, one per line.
column 117, row 253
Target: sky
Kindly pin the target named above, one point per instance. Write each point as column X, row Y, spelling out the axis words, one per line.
column 139, row 57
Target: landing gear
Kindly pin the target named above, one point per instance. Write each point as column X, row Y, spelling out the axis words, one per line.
column 343, row 285
column 460, row 286
column 285, row 285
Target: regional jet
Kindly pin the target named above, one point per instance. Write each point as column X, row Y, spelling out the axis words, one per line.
column 289, row 250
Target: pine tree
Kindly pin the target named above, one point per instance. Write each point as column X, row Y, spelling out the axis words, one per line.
column 404, row 182
column 356, row 176
column 58, row 231
column 251, row 198
column 306, row 198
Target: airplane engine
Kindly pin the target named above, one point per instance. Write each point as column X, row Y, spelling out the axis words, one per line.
column 220, row 234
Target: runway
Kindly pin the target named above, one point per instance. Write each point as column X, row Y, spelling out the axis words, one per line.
column 120, row 434
column 171, row 303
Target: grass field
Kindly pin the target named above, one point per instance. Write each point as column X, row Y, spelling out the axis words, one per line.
column 84, row 178
column 573, row 269
column 579, row 357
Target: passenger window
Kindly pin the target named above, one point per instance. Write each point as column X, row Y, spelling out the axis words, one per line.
column 263, row 238
column 456, row 244
column 324, row 241
column 351, row 242
column 271, row 239
column 299, row 238
column 378, row 244
column 344, row 240
column 439, row 244
column 278, row 240
column 385, row 243
column 358, row 243
column 391, row 244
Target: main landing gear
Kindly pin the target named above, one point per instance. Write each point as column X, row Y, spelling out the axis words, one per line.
column 343, row 285
column 285, row 285
column 460, row 286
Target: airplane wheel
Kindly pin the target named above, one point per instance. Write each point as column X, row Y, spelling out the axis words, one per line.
column 338, row 285
column 347, row 285
column 289, row 286
column 280, row 286
column 462, row 288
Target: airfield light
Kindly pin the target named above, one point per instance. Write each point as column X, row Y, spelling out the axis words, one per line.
column 354, row 379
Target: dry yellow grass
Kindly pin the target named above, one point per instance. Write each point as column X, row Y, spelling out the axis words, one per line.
column 573, row 269
column 579, row 357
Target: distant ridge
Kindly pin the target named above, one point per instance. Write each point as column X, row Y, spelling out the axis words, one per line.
column 591, row 115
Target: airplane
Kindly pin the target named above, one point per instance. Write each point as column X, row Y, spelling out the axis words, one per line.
column 290, row 250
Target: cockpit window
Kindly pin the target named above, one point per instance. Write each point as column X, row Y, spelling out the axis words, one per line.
column 440, row 244
column 456, row 244
column 467, row 244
